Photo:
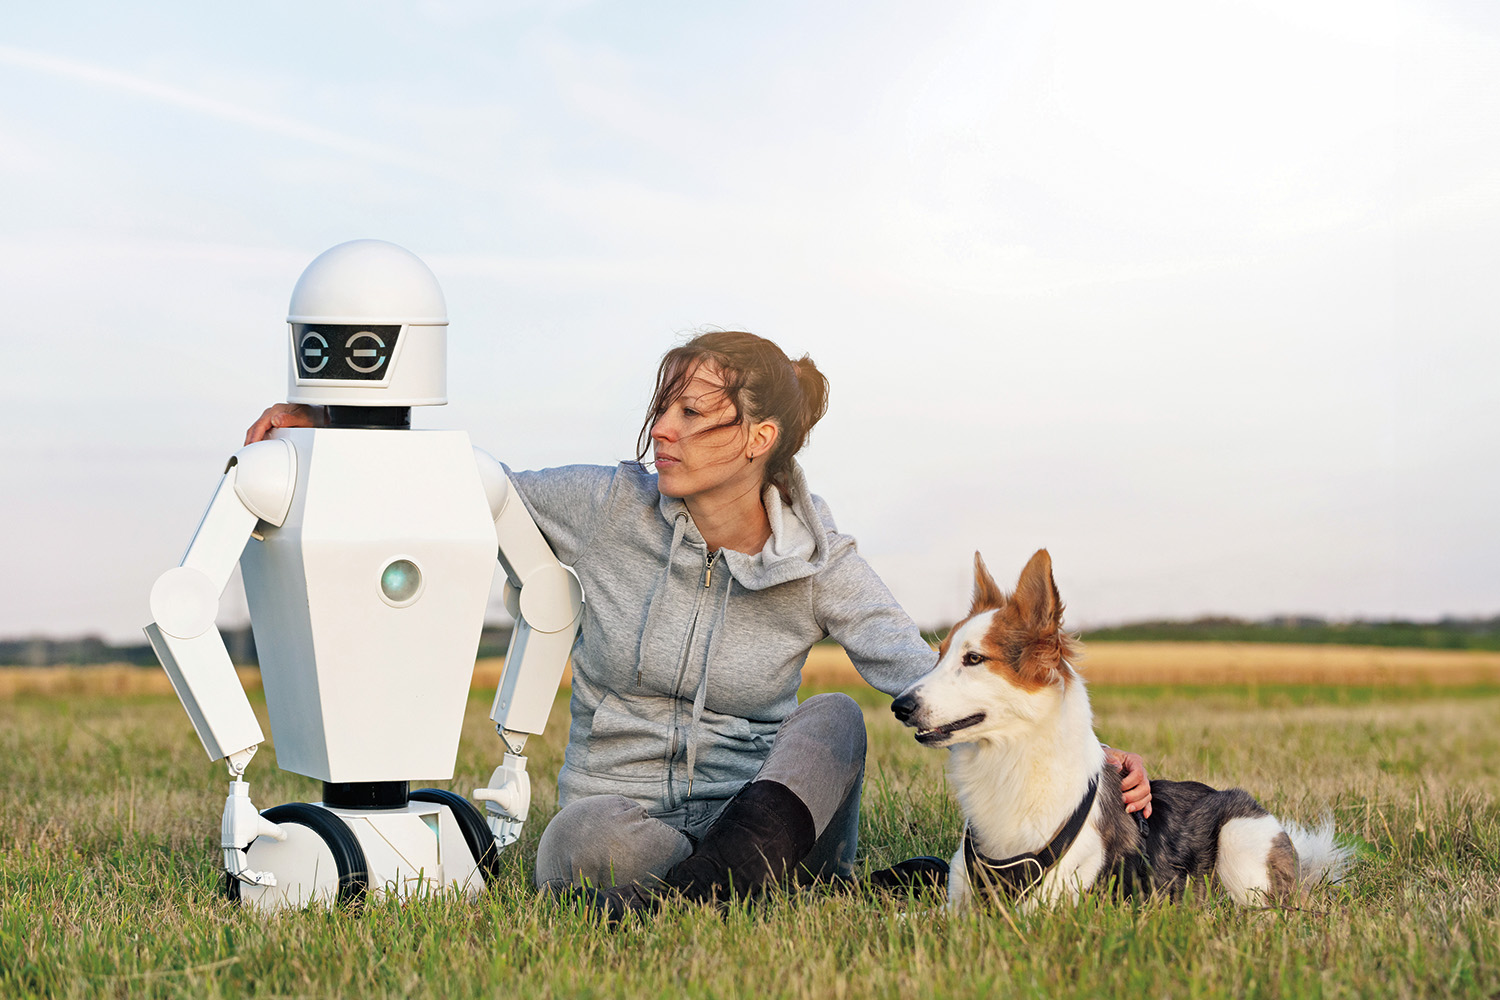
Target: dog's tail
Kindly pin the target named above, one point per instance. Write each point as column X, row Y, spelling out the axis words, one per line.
column 1321, row 859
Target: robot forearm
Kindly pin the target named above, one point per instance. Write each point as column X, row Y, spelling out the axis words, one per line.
column 209, row 689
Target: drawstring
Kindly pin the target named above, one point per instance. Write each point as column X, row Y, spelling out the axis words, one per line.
column 679, row 528
column 702, row 695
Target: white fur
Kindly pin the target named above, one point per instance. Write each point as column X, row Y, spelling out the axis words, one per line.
column 1320, row 858
column 1244, row 850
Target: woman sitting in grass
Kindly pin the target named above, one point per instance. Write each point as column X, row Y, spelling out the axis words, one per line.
column 690, row 766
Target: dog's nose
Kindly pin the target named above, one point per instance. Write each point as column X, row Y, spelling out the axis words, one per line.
column 903, row 707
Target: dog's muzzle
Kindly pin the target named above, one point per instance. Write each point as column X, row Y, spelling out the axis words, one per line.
column 907, row 706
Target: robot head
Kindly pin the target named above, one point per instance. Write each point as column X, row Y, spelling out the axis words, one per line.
column 369, row 327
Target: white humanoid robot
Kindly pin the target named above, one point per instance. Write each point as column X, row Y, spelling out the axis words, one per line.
column 367, row 551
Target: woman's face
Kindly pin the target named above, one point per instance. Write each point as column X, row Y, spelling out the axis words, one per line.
column 697, row 450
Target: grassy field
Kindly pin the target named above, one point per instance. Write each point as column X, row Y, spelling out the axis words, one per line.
column 108, row 871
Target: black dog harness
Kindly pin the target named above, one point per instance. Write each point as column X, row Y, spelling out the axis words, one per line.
column 1013, row 877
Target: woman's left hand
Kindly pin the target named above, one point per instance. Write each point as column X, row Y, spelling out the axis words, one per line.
column 1133, row 780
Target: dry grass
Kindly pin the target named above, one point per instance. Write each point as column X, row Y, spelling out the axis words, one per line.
column 1104, row 663
column 120, row 679
column 1212, row 663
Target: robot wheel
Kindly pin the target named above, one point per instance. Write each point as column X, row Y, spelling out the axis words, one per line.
column 476, row 831
column 320, row 859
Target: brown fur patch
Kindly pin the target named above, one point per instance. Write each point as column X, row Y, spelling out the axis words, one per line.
column 1026, row 639
column 1281, row 865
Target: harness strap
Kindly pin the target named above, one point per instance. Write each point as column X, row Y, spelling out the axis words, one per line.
column 1013, row 877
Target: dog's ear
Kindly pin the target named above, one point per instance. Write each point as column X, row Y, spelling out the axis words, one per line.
column 987, row 594
column 1036, row 596
column 1039, row 607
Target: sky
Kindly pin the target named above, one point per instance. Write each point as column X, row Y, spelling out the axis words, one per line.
column 1199, row 295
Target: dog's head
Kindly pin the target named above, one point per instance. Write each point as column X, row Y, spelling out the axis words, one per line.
column 1000, row 669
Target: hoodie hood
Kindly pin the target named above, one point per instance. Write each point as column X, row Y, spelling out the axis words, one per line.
column 798, row 545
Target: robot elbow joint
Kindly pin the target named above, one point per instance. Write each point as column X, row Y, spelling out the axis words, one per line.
column 551, row 598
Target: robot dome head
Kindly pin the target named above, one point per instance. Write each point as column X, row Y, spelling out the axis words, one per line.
column 369, row 327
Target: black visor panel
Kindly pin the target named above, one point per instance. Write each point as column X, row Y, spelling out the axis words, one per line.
column 344, row 352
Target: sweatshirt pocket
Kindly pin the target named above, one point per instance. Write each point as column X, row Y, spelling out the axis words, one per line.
column 628, row 738
column 729, row 749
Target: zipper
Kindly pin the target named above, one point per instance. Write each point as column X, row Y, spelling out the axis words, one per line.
column 708, row 577
column 708, row 566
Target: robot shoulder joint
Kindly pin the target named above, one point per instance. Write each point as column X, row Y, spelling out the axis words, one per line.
column 496, row 483
column 265, row 476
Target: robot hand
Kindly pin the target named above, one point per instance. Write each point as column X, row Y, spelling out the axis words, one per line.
column 242, row 824
column 507, row 800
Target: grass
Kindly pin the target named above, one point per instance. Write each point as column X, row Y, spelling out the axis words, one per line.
column 109, row 885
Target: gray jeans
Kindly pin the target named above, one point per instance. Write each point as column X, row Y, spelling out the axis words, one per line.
column 818, row 752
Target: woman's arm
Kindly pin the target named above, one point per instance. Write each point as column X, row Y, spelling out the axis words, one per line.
column 856, row 609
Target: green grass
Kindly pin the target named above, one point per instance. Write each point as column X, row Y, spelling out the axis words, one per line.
column 109, row 874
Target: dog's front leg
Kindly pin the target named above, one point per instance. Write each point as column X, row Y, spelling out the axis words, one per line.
column 958, row 885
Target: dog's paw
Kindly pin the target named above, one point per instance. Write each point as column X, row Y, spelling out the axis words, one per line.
column 921, row 874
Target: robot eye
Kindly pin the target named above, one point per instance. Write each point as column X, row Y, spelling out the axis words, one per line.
column 365, row 352
column 313, row 351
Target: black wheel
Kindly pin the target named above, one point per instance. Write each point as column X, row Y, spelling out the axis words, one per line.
column 475, row 830
column 320, row 856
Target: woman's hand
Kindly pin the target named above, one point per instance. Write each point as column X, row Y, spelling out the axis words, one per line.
column 285, row 415
column 1133, row 780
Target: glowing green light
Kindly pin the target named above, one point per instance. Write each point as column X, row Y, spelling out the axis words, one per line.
column 400, row 581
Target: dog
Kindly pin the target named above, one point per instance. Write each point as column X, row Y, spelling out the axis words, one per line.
column 1045, row 820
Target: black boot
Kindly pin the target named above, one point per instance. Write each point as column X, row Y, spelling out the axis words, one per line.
column 761, row 835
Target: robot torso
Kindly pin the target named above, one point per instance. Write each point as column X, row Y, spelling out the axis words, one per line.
column 368, row 602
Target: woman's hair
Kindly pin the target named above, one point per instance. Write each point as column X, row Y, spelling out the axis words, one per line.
column 760, row 382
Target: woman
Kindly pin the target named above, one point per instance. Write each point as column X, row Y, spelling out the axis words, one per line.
column 690, row 765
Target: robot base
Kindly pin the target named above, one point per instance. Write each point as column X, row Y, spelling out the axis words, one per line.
column 437, row 842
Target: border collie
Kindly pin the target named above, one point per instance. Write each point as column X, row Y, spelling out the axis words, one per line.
column 1045, row 818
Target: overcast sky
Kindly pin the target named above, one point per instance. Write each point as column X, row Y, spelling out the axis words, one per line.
column 1199, row 295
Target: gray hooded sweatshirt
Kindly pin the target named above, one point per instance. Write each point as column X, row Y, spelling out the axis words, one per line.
column 687, row 662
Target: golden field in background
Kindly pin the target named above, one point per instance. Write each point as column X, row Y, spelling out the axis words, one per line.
column 1175, row 663
column 1104, row 663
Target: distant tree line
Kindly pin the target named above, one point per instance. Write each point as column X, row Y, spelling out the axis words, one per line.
column 1446, row 633
column 43, row 652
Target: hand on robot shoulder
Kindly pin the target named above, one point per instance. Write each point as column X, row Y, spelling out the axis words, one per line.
column 265, row 478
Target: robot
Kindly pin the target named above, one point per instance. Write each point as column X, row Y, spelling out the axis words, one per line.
column 367, row 551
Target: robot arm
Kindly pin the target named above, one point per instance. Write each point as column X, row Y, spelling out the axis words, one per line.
column 547, row 604
column 257, row 486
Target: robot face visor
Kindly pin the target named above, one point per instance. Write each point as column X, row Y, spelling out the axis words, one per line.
column 344, row 352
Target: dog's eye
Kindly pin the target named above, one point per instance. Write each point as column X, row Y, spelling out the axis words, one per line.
column 971, row 659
